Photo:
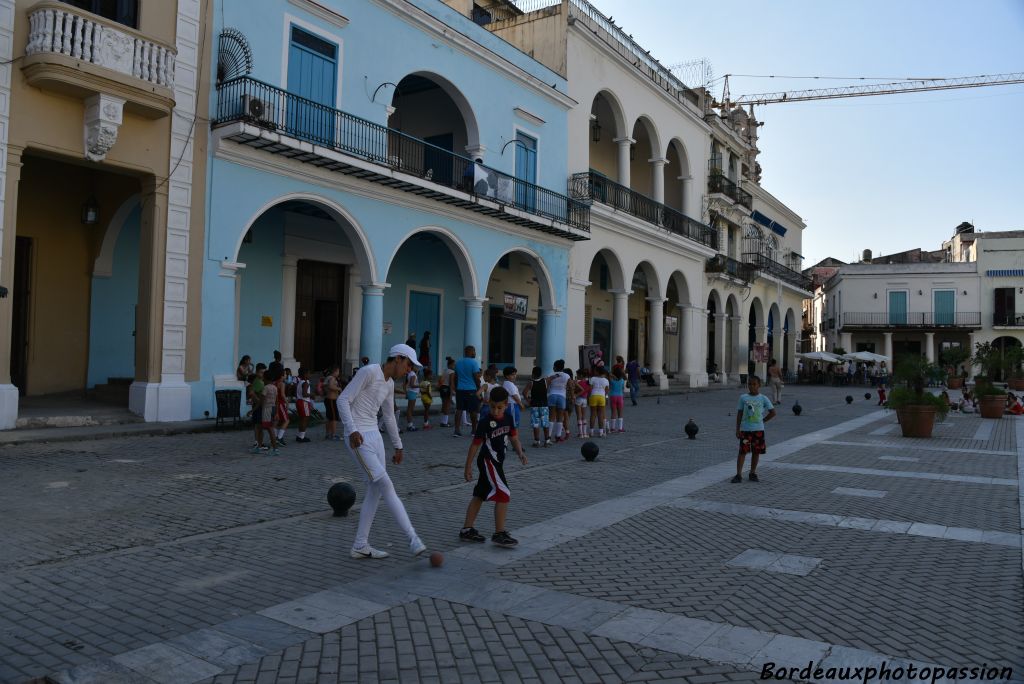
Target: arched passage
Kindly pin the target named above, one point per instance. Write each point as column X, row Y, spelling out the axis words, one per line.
column 756, row 334
column 521, row 297
column 681, row 327
column 428, row 302
column 645, row 174
column 677, row 177
column 605, row 311
column 607, row 125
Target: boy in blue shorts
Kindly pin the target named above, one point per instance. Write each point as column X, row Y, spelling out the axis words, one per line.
column 752, row 412
column 491, row 486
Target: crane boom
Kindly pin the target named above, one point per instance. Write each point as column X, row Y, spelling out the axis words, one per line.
column 912, row 86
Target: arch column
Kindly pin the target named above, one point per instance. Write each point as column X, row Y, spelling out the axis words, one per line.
column 721, row 345
column 474, row 330
column 289, row 282
column 8, row 222
column 624, row 145
column 684, row 189
column 658, row 179
column 575, row 315
column 694, row 326
column 740, row 353
column 656, row 339
column 620, row 323
column 929, row 346
column 371, row 328
column 887, row 348
column 550, row 337
column 970, row 348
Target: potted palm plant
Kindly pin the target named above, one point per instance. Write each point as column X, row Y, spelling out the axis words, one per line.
column 952, row 359
column 1013, row 359
column 916, row 408
column 991, row 398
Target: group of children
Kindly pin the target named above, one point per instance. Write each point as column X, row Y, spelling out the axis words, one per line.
column 268, row 388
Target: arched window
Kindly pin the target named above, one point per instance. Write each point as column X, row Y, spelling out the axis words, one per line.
column 753, row 241
column 122, row 11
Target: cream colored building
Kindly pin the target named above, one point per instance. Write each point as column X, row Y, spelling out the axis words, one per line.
column 101, row 217
column 691, row 261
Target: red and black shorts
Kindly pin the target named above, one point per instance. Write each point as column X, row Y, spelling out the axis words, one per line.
column 491, row 485
column 302, row 408
column 752, row 443
column 331, row 408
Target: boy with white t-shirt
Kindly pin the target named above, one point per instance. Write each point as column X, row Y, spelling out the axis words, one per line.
column 515, row 400
column 556, row 401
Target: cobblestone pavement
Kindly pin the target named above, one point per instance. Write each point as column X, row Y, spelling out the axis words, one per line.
column 183, row 558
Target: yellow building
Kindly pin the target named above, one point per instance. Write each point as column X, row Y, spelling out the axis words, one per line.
column 101, row 168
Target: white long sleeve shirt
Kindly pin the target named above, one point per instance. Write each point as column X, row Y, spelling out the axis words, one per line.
column 367, row 394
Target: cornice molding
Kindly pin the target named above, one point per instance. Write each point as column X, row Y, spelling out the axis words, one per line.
column 631, row 228
column 321, row 12
column 440, row 30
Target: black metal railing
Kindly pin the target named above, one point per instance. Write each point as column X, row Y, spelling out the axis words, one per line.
column 246, row 99
column 1008, row 320
column 912, row 319
column 737, row 269
column 720, row 184
column 593, row 186
column 765, row 264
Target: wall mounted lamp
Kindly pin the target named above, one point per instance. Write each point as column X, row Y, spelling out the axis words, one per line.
column 595, row 130
column 965, row 293
column 876, row 295
column 920, row 292
column 90, row 211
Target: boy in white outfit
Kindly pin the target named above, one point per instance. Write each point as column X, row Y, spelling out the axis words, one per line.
column 358, row 405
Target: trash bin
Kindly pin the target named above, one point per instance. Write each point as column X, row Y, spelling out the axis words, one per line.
column 229, row 402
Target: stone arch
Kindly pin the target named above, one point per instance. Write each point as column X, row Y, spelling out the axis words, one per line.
column 545, row 282
column 715, row 301
column 103, row 267
column 457, row 97
column 652, row 132
column 654, row 285
column 348, row 224
column 757, row 312
column 616, row 109
column 459, row 252
column 679, row 147
column 616, row 271
column 683, row 289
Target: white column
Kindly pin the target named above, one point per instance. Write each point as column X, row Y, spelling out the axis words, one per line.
column 721, row 344
column 474, row 329
column 371, row 328
column 887, row 348
column 289, row 281
column 737, row 359
column 353, row 318
column 929, row 346
column 694, row 333
column 624, row 163
column 620, row 324
column 656, row 339
column 684, row 189
column 970, row 347
column 658, row 179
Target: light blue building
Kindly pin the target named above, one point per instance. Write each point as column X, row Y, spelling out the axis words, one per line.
column 379, row 168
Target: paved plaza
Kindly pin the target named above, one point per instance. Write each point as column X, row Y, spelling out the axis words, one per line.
column 183, row 558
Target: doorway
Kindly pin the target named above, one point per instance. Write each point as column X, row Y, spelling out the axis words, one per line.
column 603, row 337
column 19, row 324
column 319, row 314
column 424, row 317
column 634, row 342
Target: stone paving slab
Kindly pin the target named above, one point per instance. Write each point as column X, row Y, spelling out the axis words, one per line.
column 959, row 504
column 872, row 591
column 977, row 463
column 958, row 431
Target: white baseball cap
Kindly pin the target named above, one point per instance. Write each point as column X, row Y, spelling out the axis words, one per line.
column 406, row 351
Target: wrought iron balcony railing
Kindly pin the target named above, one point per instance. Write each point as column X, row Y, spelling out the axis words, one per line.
column 737, row 269
column 592, row 186
column 1008, row 320
column 254, row 102
column 718, row 183
column 765, row 264
column 912, row 319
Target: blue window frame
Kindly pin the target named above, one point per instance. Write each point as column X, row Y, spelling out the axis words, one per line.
column 313, row 75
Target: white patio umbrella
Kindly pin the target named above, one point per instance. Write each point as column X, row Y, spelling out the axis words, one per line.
column 827, row 357
column 866, row 356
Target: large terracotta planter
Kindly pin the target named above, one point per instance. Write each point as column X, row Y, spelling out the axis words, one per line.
column 1016, row 384
column 916, row 421
column 992, row 406
column 954, row 383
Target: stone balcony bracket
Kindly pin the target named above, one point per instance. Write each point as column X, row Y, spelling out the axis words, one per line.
column 77, row 53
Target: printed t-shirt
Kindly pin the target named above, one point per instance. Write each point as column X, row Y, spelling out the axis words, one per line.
column 754, row 407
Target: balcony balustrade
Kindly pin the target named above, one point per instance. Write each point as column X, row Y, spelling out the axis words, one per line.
column 288, row 123
column 57, row 28
column 592, row 186
column 1008, row 320
column 911, row 319
column 769, row 266
column 729, row 266
column 718, row 183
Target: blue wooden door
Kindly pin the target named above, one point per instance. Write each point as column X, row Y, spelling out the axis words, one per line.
column 425, row 316
column 898, row 308
column 313, row 76
column 526, row 170
column 944, row 307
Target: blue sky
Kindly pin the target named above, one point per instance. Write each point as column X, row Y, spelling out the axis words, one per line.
column 885, row 173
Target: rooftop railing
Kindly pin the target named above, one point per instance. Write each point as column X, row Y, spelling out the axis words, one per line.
column 593, row 186
column 261, row 104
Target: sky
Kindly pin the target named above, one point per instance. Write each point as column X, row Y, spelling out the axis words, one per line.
column 886, row 173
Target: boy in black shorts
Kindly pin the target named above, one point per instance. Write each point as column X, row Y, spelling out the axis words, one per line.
column 491, row 433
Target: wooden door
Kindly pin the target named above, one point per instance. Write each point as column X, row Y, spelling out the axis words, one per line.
column 319, row 314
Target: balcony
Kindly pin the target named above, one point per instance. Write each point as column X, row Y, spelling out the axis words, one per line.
column 912, row 319
column 723, row 264
column 271, row 119
column 1008, row 320
column 594, row 187
column 769, row 266
column 718, row 183
column 78, row 53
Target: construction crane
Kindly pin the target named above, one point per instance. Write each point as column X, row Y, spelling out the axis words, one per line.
column 892, row 88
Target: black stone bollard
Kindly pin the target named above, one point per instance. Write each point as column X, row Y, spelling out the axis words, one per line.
column 341, row 496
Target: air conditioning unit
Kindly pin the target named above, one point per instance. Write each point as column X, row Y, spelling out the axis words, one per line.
column 255, row 109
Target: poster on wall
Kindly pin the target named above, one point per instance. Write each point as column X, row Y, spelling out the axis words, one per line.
column 528, row 340
column 516, row 305
column 671, row 325
column 759, row 352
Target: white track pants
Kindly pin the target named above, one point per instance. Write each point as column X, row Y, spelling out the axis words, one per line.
column 370, row 457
